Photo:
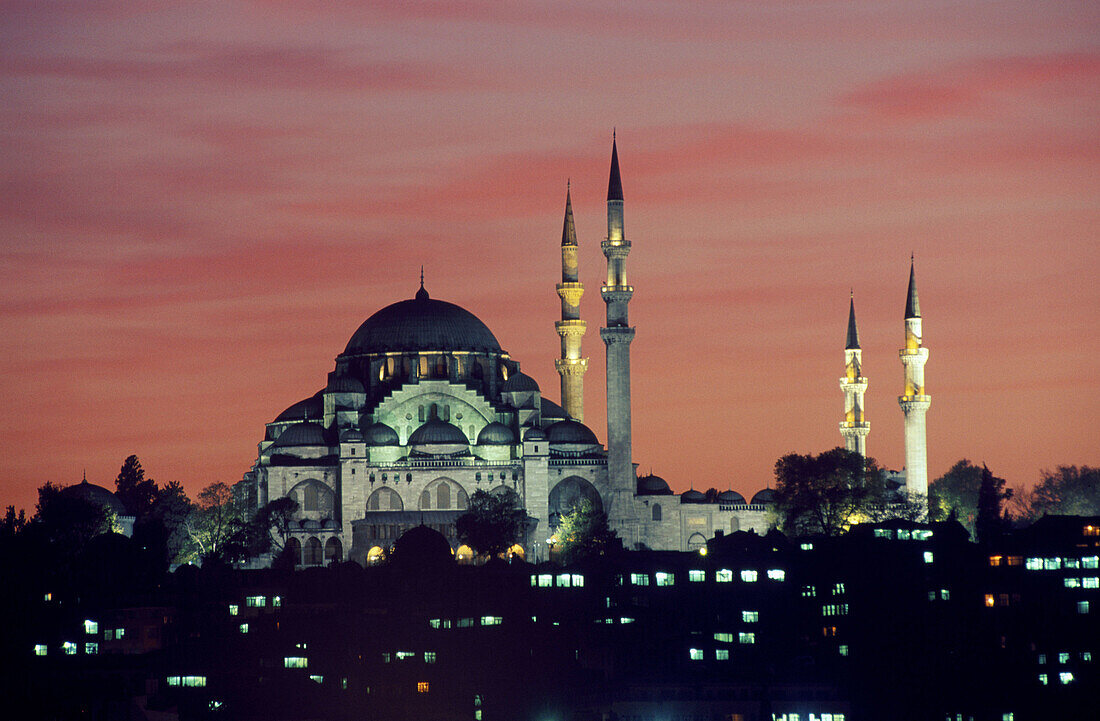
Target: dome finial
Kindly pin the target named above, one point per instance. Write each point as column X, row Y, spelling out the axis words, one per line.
column 421, row 294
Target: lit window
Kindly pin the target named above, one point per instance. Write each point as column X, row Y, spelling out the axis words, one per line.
column 578, row 580
column 1052, row 564
column 843, row 649
column 989, row 600
column 624, row 620
column 422, row 687
column 809, row 591
column 838, row 588
column 883, row 533
column 534, row 580
column 491, row 620
column 945, row 594
column 434, row 622
column 429, row 657
column 1090, row 562
column 928, row 557
column 995, row 560
column 1082, row 607
column 244, row 628
column 477, row 715
column 722, row 654
column 807, row 546
column 1034, row 564
column 777, row 574
column 545, row 580
column 697, row 575
column 903, row 534
column 39, row 649
column 750, row 616
column 1091, row 582
column 1072, row 582
column 664, row 579
column 255, row 601
column 298, row 662
column 563, row 580
column 402, row 655
column 47, row 597
column 1008, row 716
column 317, row 678
column 922, row 534
column 639, row 579
column 69, row 648
column 465, row 623
column 931, row 595
column 695, row 654
column 1015, row 560
column 1065, row 677
column 1063, row 658
column 744, row 637
column 91, row 648
column 91, row 628
column 1071, row 563
column 385, row 657
column 1086, row 655
column 120, row 632
column 173, row 680
column 724, row 637
column 1043, row 679
column 749, row 576
column 723, row 576
column 1042, row 659
column 109, row 635
column 193, row 681
column 234, row 609
column 277, row 601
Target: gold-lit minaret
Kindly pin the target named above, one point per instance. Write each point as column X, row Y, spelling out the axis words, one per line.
column 571, row 366
column 915, row 402
column 854, row 428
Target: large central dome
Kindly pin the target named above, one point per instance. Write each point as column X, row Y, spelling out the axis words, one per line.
column 422, row 324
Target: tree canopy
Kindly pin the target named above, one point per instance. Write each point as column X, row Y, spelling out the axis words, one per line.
column 584, row 533
column 955, row 493
column 992, row 519
column 1067, row 490
column 137, row 492
column 492, row 523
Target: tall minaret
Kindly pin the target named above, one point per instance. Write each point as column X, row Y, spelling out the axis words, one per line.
column 854, row 428
column 914, row 404
column 617, row 336
column 571, row 366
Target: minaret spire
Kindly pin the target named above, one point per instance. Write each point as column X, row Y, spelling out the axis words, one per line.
column 915, row 402
column 571, row 366
column 854, row 428
column 617, row 336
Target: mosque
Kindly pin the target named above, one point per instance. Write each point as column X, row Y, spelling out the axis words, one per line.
column 424, row 408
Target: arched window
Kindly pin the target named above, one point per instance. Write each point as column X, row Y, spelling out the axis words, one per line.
column 443, row 496
column 735, row 524
column 696, row 541
column 313, row 552
column 656, row 511
column 375, row 555
column 420, row 414
column 565, row 496
column 385, row 499
column 334, row 552
column 310, row 494
column 461, row 504
column 425, row 500
column 294, row 550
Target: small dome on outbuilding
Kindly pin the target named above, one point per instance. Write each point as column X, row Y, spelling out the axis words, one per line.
column 652, row 485
column 692, row 496
column 351, row 435
column 730, row 497
column 496, row 434
column 301, row 434
column 97, row 495
column 534, row 434
column 570, row 431
column 379, row 434
column 330, row 525
column 765, row 496
column 519, row 383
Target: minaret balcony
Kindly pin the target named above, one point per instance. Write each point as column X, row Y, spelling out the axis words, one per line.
column 615, row 248
column 617, row 293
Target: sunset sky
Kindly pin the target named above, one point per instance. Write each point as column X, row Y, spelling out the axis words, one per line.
column 202, row 201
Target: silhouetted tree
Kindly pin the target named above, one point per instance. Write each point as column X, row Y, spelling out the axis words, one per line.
column 1068, row 491
column 956, row 492
column 217, row 527
column 492, row 523
column 137, row 492
column 992, row 494
column 827, row 493
column 584, row 533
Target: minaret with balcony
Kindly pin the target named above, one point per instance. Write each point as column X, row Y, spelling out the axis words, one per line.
column 854, row 428
column 915, row 402
column 571, row 366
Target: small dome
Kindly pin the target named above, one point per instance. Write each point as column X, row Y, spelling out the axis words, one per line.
column 765, row 496
column 351, row 435
column 653, row 485
column 379, row 434
column 692, row 496
column 496, row 434
column 519, row 383
column 312, row 407
column 422, row 546
column 569, row 431
column 345, row 384
column 311, row 525
column 97, row 495
column 534, row 434
column 438, row 432
column 301, row 434
column 330, row 525
column 730, row 497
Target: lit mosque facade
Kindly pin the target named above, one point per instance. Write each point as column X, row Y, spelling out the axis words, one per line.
column 424, row 408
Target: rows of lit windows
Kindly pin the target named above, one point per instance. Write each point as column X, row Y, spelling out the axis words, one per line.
column 834, row 609
column 1056, row 563
column 562, row 580
column 468, row 622
column 808, row 717
column 944, row 595
column 902, row 534
column 1086, row 582
column 187, row 681
column 1064, row 657
column 1064, row 678
column 114, row 633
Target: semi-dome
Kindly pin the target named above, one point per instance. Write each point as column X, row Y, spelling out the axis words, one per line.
column 379, row 434
column 496, row 434
column 730, row 497
column 692, row 496
column 569, row 431
column 97, row 495
column 653, row 485
column 519, row 383
column 312, row 407
column 765, row 496
column 438, row 432
column 301, row 434
column 345, row 384
column 422, row 324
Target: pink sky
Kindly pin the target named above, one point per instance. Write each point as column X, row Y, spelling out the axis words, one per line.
column 201, row 202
